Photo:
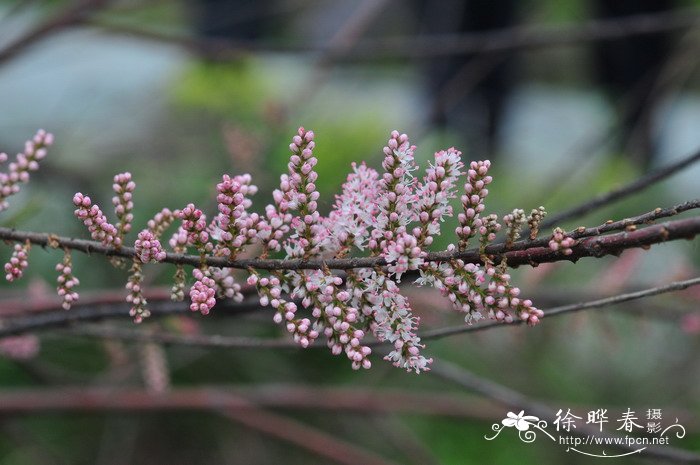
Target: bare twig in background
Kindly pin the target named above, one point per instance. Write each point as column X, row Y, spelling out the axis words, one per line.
column 526, row 37
column 358, row 399
column 307, row 437
column 341, row 43
column 50, row 319
column 230, row 342
column 77, row 13
column 518, row 38
column 349, row 398
column 564, row 309
column 517, row 401
column 635, row 186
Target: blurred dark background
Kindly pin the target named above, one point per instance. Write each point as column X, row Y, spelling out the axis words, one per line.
column 568, row 98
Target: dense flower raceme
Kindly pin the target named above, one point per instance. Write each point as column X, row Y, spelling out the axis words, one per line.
column 67, row 282
column 391, row 214
column 26, row 161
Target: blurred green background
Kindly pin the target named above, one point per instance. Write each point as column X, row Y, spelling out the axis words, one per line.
column 125, row 87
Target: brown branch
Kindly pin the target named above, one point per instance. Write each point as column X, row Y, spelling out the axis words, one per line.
column 270, row 395
column 86, row 313
column 565, row 309
column 517, row 38
column 635, row 186
column 75, row 14
column 307, row 437
column 522, row 252
column 517, row 401
column 232, row 342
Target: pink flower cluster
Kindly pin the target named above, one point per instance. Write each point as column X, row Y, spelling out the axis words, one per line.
column 270, row 292
column 18, row 262
column 514, row 221
column 194, row 224
column 236, row 228
column 226, row 285
column 298, row 193
column 67, row 282
column 138, row 302
column 123, row 204
column 148, row 247
column 348, row 223
column 28, row 160
column 560, row 241
column 393, row 215
column 475, row 192
column 203, row 292
column 96, row 221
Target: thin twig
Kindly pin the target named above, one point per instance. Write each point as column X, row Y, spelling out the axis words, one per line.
column 233, row 342
column 625, row 191
column 516, row 38
column 75, row 14
column 565, row 309
column 522, row 252
column 352, row 398
column 307, row 437
column 52, row 319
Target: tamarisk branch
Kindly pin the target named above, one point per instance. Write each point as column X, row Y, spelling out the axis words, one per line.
column 522, row 252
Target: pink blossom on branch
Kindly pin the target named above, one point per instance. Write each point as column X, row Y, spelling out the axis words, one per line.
column 123, row 204
column 560, row 241
column 14, row 269
column 235, row 227
column 26, row 161
column 67, row 282
column 393, row 215
column 203, row 292
column 96, row 222
column 148, row 248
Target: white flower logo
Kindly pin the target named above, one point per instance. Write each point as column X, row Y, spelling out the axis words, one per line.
column 520, row 421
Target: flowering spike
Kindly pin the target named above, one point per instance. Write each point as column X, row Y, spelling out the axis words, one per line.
column 533, row 221
column 123, row 204
column 299, row 194
column 148, row 248
column 27, row 161
column 194, row 224
column 347, row 223
column 14, row 268
column 202, row 292
column 226, row 286
column 138, row 302
column 234, row 226
column 178, row 242
column 96, row 222
column 270, row 292
column 473, row 201
column 393, row 215
column 67, row 282
column 514, row 221
column 560, row 241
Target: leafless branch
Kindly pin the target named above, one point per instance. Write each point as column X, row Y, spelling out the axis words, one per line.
column 522, row 252
column 74, row 14
column 307, row 437
column 230, row 342
column 565, row 309
column 635, row 186
column 517, row 38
